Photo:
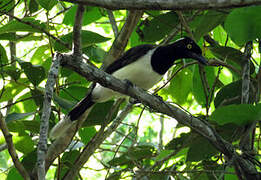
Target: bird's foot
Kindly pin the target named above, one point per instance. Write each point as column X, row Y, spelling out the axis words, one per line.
column 159, row 97
column 128, row 83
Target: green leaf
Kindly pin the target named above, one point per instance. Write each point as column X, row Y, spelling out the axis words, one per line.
column 95, row 54
column 114, row 176
column 8, row 36
column 41, row 53
column 47, row 4
column 13, row 174
column 67, row 162
column 197, row 90
column 200, row 149
column 241, row 114
column 24, row 144
column 180, row 86
column 6, row 5
column 34, row 73
column 98, row 114
column 213, row 19
column 27, row 104
column 38, row 97
column 178, row 142
column 73, row 93
column 17, row 116
column 16, row 26
column 3, row 56
column 231, row 94
column 33, row 6
column 244, row 24
column 13, row 72
column 88, row 38
column 91, row 14
column 135, row 153
column 231, row 56
column 86, row 134
column 32, row 126
column 158, row 27
column 163, row 154
column 29, row 160
column 11, row 90
column 62, row 102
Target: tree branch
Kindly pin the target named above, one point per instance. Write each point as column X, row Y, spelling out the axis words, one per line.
column 113, row 23
column 77, row 28
column 200, row 126
column 60, row 144
column 11, row 149
column 42, row 144
column 122, row 39
column 164, row 5
column 95, row 143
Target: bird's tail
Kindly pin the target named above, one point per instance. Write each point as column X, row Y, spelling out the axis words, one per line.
column 80, row 109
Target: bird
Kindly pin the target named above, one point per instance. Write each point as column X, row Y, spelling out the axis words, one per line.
column 143, row 65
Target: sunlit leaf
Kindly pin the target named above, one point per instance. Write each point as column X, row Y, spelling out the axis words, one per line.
column 17, row 116
column 15, row 26
column 47, row 4
column 91, row 14
column 213, row 19
column 88, row 38
column 34, row 73
column 23, row 144
column 158, row 27
column 244, row 24
column 13, row 174
column 86, row 134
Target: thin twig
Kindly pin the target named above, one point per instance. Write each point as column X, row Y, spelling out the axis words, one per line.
column 40, row 29
column 113, row 23
column 11, row 149
column 95, row 143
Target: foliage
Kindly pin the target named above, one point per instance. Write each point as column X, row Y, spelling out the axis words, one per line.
column 137, row 143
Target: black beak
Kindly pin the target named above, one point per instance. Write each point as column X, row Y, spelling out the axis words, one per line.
column 197, row 57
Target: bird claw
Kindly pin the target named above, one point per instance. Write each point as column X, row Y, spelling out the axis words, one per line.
column 158, row 96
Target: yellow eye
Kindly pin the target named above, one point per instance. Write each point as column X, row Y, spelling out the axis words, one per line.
column 189, row 46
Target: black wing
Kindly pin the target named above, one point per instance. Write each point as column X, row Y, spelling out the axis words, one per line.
column 129, row 57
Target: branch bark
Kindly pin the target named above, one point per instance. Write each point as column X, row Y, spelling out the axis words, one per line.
column 42, row 144
column 166, row 4
column 122, row 39
column 118, row 47
column 200, row 126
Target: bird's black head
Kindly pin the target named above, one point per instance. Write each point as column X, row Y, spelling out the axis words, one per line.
column 187, row 48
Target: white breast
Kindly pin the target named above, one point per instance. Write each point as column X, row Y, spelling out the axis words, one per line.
column 139, row 73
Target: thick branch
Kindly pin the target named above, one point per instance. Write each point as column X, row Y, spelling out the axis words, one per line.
column 200, row 126
column 106, row 80
column 122, row 39
column 166, row 4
